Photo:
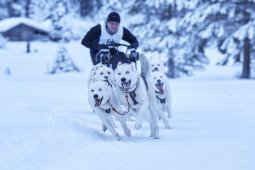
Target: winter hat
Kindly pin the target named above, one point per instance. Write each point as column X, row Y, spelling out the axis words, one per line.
column 113, row 16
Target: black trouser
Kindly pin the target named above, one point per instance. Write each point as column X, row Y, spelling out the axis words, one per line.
column 116, row 58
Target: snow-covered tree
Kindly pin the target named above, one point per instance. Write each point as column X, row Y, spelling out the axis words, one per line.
column 237, row 41
column 3, row 9
column 180, row 30
column 158, row 31
column 63, row 62
column 62, row 17
column 89, row 7
column 230, row 23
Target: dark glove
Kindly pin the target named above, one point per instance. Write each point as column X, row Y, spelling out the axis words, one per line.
column 134, row 45
column 97, row 46
column 102, row 46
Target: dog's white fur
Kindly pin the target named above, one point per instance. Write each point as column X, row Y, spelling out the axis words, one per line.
column 105, row 74
column 151, row 64
column 101, row 72
column 102, row 100
column 129, row 83
column 159, row 89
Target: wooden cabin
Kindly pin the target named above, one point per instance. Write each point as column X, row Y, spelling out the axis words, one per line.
column 22, row 29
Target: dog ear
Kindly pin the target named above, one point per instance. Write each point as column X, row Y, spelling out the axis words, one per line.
column 119, row 63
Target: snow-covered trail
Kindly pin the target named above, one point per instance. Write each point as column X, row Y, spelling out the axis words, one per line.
column 47, row 124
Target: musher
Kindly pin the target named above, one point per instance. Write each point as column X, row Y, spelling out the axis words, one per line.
column 102, row 36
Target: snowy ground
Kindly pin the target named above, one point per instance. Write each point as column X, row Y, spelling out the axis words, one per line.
column 47, row 124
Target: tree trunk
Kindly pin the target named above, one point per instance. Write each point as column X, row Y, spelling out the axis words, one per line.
column 171, row 68
column 28, row 47
column 246, row 59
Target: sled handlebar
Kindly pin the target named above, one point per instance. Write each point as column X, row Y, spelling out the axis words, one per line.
column 117, row 45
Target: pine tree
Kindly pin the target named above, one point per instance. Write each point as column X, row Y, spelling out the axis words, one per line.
column 230, row 24
column 63, row 62
column 3, row 9
column 16, row 8
column 159, row 31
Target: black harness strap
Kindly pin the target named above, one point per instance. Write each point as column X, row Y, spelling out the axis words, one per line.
column 107, row 81
column 161, row 100
column 108, row 110
column 133, row 95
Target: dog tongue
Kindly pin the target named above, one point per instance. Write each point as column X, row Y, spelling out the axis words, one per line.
column 98, row 102
column 160, row 87
column 126, row 85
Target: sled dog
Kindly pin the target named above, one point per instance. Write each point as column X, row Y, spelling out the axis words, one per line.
column 132, row 94
column 104, row 103
column 101, row 72
column 159, row 89
column 154, row 64
column 160, row 95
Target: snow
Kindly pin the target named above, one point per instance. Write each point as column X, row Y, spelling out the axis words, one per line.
column 47, row 124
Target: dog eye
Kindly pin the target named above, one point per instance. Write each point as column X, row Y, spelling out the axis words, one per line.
column 158, row 64
column 127, row 72
column 101, row 73
column 109, row 72
column 99, row 89
column 119, row 73
column 160, row 76
column 92, row 90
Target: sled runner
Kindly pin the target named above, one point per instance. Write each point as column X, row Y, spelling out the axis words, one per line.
column 111, row 55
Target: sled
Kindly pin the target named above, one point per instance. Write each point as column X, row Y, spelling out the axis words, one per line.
column 105, row 57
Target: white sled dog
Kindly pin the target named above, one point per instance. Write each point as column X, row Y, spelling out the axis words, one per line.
column 132, row 94
column 100, row 71
column 101, row 77
column 104, row 73
column 159, row 89
column 104, row 103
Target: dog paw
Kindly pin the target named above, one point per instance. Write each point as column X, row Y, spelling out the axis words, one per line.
column 128, row 132
column 153, row 136
column 118, row 138
column 104, row 128
column 156, row 137
column 168, row 127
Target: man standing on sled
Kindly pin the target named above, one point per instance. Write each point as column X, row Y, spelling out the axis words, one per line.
column 102, row 36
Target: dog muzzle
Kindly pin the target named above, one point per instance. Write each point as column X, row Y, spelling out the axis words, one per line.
column 98, row 101
column 126, row 85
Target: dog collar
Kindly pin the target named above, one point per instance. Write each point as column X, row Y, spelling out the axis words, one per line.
column 161, row 100
column 108, row 110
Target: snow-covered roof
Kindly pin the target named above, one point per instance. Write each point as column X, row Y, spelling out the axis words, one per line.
column 7, row 24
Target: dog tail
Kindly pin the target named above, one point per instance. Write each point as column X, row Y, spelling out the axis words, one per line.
column 144, row 65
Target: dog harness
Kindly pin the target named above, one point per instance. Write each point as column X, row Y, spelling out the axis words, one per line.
column 161, row 100
column 133, row 95
column 113, row 109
